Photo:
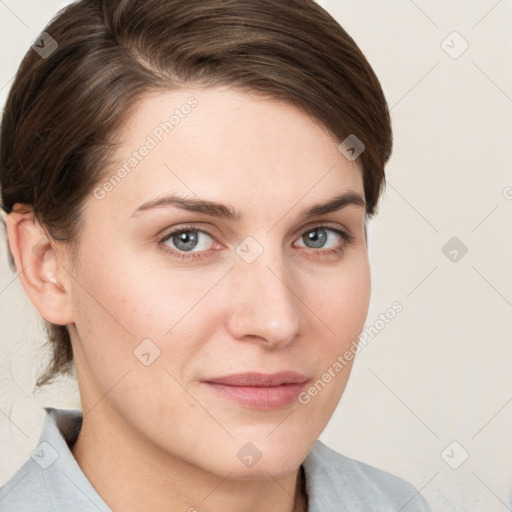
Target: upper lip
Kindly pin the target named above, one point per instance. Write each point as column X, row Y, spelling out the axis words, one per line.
column 260, row 379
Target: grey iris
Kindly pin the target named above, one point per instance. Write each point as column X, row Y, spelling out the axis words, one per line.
column 318, row 238
column 189, row 239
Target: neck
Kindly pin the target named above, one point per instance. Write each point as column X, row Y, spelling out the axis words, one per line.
column 131, row 475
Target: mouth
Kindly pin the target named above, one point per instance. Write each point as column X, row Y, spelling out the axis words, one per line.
column 259, row 390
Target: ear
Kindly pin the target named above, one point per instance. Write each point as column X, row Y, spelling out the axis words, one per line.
column 40, row 267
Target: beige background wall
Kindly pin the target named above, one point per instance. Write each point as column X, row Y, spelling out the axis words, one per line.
column 440, row 372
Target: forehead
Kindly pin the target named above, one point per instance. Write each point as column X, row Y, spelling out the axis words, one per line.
column 224, row 145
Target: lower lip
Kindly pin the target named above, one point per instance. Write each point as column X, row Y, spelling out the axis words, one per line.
column 266, row 398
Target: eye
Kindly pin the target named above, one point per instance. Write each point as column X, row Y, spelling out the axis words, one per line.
column 320, row 236
column 187, row 240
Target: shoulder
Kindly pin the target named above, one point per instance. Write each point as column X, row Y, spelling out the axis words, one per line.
column 334, row 480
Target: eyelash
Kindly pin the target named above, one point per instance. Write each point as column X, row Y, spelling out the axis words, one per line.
column 347, row 239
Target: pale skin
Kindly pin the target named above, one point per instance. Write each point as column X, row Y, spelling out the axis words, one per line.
column 156, row 437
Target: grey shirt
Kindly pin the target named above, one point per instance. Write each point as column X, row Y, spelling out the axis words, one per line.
column 51, row 480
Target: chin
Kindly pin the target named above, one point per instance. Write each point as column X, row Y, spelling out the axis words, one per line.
column 264, row 459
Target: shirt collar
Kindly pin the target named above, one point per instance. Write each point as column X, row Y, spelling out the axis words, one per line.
column 64, row 480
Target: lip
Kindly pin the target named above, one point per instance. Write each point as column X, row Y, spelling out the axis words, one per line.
column 260, row 390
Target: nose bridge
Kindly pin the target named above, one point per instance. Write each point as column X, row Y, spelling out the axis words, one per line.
column 266, row 305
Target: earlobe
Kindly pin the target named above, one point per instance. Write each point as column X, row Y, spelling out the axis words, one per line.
column 38, row 267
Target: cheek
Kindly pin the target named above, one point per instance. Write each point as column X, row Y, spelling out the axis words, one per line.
column 114, row 313
column 342, row 305
column 119, row 304
column 342, row 302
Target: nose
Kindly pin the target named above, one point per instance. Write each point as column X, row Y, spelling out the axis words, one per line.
column 264, row 302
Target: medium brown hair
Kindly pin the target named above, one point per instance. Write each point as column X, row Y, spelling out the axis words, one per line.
column 64, row 109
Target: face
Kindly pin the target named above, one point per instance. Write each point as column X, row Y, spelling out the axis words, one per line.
column 201, row 330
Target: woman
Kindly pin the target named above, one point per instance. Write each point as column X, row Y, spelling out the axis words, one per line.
column 187, row 186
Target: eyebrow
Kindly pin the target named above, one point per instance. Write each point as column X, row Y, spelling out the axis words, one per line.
column 222, row 211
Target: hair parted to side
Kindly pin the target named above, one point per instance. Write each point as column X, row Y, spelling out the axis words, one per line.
column 64, row 111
